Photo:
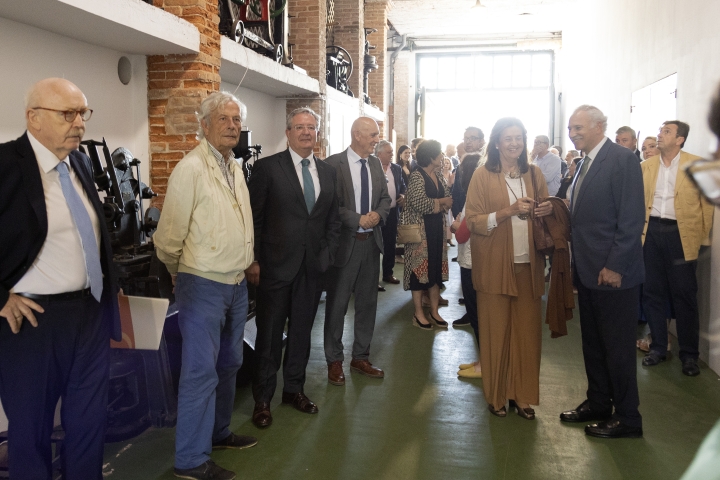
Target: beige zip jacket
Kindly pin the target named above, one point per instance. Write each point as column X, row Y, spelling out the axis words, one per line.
column 206, row 229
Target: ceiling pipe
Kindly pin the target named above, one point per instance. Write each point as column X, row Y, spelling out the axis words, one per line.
column 391, row 103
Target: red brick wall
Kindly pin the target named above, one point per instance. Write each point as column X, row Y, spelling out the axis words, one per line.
column 307, row 33
column 349, row 34
column 176, row 86
column 376, row 17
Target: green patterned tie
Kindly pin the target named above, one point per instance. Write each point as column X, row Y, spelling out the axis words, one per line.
column 308, row 186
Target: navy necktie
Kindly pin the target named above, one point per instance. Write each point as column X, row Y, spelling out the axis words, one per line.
column 85, row 228
column 308, row 186
column 364, row 188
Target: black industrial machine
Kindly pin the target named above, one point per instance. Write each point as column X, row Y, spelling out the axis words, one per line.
column 370, row 64
column 247, row 152
column 261, row 25
column 339, row 67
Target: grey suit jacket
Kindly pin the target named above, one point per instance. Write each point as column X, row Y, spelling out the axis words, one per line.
column 380, row 203
column 608, row 219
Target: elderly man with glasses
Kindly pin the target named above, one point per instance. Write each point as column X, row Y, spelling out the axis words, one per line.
column 57, row 289
column 205, row 238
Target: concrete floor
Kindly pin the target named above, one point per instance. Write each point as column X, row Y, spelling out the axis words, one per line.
column 422, row 422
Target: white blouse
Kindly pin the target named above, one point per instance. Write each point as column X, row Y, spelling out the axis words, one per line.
column 521, row 241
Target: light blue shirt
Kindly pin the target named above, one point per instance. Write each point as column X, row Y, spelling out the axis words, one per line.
column 550, row 166
column 355, row 165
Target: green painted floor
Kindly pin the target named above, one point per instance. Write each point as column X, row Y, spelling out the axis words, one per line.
column 422, row 422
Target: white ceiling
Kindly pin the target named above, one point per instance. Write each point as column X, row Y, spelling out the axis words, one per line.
column 457, row 20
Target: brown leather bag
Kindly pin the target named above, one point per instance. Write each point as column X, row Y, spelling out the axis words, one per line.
column 541, row 235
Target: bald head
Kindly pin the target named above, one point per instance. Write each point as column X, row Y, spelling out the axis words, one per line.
column 44, row 106
column 365, row 136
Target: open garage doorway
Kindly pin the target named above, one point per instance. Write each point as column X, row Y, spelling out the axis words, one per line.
column 456, row 90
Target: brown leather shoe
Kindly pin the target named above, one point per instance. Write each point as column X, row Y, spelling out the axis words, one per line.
column 391, row 279
column 262, row 418
column 336, row 376
column 300, row 402
column 366, row 368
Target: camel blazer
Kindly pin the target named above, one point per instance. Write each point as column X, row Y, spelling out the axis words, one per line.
column 693, row 212
column 493, row 255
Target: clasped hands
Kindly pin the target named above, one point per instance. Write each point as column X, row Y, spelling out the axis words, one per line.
column 527, row 205
column 369, row 220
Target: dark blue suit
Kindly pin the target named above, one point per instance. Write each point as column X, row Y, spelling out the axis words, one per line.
column 607, row 223
column 67, row 354
column 389, row 230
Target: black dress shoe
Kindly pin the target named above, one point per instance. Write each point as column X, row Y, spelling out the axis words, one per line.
column 237, row 442
column 461, row 322
column 262, row 418
column 300, row 402
column 381, row 288
column 206, row 471
column 690, row 367
column 652, row 358
column 613, row 429
column 583, row 414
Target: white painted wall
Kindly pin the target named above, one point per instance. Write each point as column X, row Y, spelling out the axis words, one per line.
column 612, row 48
column 265, row 118
column 120, row 111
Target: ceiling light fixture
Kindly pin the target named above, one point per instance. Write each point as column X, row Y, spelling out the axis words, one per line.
column 478, row 4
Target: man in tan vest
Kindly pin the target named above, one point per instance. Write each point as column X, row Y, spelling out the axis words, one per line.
column 677, row 222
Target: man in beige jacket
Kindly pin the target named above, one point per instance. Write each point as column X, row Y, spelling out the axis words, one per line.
column 205, row 238
column 678, row 220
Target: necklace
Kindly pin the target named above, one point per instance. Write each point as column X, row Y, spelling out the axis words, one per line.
column 521, row 216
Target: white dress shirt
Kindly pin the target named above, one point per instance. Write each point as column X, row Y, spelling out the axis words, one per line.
column 664, row 200
column 297, row 161
column 60, row 266
column 390, row 176
column 464, row 257
column 590, row 157
column 521, row 240
column 551, row 167
column 355, row 166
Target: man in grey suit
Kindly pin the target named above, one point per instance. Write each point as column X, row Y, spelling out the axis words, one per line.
column 364, row 204
column 607, row 215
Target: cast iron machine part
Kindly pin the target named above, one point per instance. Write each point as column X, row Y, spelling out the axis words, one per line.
column 370, row 64
column 339, row 67
column 261, row 25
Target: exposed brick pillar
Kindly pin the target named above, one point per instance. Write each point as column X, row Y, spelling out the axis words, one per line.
column 350, row 35
column 308, row 33
column 402, row 86
column 376, row 13
column 176, row 86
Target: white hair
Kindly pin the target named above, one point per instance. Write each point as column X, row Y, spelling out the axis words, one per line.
column 214, row 101
column 595, row 115
column 382, row 144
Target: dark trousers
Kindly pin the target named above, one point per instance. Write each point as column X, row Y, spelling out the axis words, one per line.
column 389, row 234
column 470, row 297
column 277, row 302
column 608, row 319
column 66, row 356
column 358, row 276
column 669, row 276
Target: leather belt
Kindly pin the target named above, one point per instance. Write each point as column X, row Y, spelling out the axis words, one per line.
column 363, row 235
column 58, row 297
column 663, row 221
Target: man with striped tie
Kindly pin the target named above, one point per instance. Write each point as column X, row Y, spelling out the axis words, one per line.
column 57, row 289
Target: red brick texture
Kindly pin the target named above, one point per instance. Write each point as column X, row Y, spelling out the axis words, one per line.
column 376, row 17
column 176, row 86
column 350, row 35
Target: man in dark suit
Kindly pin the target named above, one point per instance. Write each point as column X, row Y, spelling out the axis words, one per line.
column 56, row 272
column 396, row 189
column 608, row 215
column 626, row 137
column 295, row 213
column 364, row 204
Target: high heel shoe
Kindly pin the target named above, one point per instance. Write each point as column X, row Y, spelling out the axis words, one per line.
column 501, row 412
column 526, row 413
column 421, row 326
column 439, row 323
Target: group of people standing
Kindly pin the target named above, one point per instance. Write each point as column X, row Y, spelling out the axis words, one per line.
column 302, row 225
